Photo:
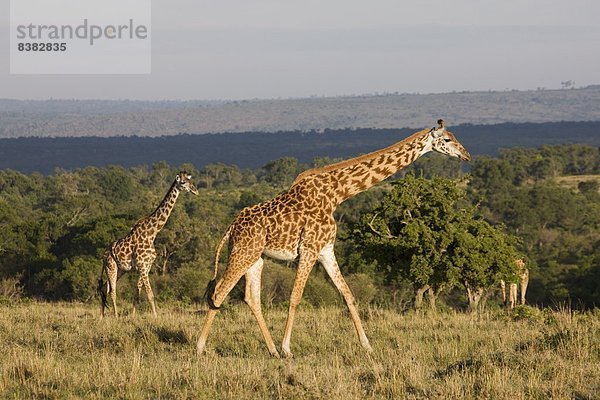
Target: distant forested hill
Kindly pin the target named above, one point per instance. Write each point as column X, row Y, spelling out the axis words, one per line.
column 61, row 118
column 255, row 149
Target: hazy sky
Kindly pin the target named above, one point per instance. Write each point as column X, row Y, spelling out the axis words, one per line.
column 242, row 49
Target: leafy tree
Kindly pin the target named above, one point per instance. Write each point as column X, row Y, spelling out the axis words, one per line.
column 486, row 255
column 410, row 232
column 520, row 159
column 590, row 189
column 583, row 281
column 218, row 175
column 116, row 182
column 489, row 173
column 426, row 232
column 281, row 172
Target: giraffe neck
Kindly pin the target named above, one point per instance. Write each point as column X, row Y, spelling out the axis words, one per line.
column 356, row 175
column 157, row 220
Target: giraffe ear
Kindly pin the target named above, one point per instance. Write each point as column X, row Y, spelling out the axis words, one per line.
column 437, row 132
column 178, row 178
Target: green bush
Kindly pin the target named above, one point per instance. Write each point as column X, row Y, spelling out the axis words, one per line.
column 187, row 284
column 526, row 313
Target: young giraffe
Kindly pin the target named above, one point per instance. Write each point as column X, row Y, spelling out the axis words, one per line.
column 299, row 224
column 136, row 250
column 523, row 274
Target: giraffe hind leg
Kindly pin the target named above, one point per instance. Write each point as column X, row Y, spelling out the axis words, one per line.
column 146, row 283
column 237, row 266
column 138, row 295
column 104, row 290
column 112, row 273
column 305, row 265
column 252, row 298
column 524, row 284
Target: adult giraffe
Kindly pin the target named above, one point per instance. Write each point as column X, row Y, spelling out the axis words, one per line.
column 510, row 299
column 299, row 224
column 136, row 250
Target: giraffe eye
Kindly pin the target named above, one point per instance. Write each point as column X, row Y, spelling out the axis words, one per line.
column 447, row 140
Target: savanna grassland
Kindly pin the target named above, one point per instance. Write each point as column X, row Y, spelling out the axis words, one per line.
column 63, row 350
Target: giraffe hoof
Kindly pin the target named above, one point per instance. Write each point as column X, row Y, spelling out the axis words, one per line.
column 275, row 354
column 200, row 347
column 287, row 354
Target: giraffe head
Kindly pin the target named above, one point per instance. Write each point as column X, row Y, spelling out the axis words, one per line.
column 184, row 182
column 443, row 141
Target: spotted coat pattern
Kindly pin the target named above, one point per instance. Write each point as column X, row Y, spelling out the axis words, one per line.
column 299, row 224
column 136, row 250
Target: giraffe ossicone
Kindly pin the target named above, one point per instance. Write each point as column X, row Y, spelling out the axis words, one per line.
column 136, row 250
column 299, row 224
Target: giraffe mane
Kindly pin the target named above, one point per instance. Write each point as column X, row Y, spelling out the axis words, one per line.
column 351, row 161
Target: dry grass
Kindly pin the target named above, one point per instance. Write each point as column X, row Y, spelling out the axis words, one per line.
column 572, row 181
column 65, row 351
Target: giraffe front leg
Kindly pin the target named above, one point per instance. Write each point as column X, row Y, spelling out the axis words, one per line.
column 146, row 283
column 112, row 279
column 503, row 290
column 138, row 295
column 512, row 295
column 524, row 284
column 329, row 262
column 305, row 265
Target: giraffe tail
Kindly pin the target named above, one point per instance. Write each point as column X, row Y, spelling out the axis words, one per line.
column 102, row 288
column 102, row 292
column 210, row 288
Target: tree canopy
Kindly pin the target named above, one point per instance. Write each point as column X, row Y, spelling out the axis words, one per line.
column 425, row 232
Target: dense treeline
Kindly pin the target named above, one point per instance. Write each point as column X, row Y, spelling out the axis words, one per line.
column 247, row 150
column 544, row 204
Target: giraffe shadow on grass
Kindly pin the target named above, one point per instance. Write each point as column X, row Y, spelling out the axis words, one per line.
column 172, row 336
